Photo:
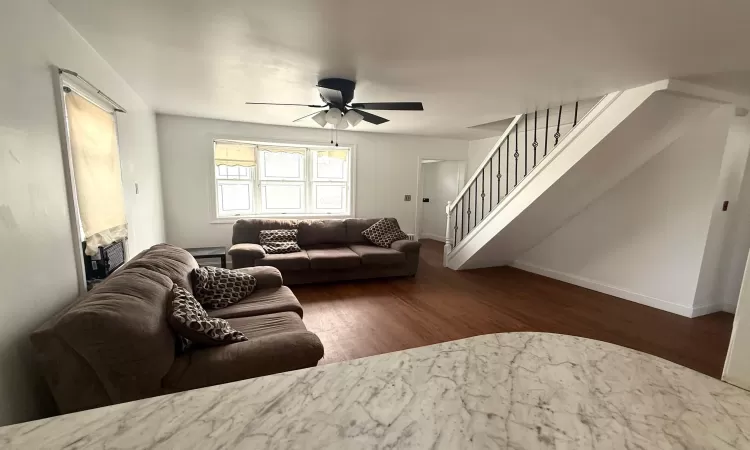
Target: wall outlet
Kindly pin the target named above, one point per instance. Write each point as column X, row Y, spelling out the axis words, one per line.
column 407, row 198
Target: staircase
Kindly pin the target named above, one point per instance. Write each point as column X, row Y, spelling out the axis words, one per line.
column 550, row 164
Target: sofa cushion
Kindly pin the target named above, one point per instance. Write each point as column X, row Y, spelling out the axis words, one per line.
column 329, row 231
column 188, row 319
column 286, row 261
column 275, row 242
column 333, row 258
column 247, row 231
column 268, row 324
column 215, row 287
column 384, row 232
column 354, row 229
column 277, row 343
column 263, row 301
column 373, row 255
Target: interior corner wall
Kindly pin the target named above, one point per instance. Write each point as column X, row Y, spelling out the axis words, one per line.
column 478, row 150
column 38, row 277
column 736, row 190
column 386, row 169
column 644, row 240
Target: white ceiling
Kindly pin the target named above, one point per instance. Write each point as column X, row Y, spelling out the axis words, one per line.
column 470, row 62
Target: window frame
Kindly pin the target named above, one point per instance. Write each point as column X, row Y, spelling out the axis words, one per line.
column 308, row 184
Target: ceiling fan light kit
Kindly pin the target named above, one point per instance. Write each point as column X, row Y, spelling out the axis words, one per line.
column 320, row 118
column 333, row 116
column 353, row 117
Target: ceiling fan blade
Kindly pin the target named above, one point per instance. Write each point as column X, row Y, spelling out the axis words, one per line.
column 332, row 96
column 391, row 106
column 305, row 117
column 285, row 104
column 372, row 118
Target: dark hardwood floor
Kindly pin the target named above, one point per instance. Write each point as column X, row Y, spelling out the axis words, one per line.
column 364, row 318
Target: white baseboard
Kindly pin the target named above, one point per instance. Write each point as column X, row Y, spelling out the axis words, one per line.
column 434, row 237
column 621, row 293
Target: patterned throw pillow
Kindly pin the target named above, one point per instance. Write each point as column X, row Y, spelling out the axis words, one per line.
column 216, row 288
column 190, row 321
column 279, row 241
column 384, row 232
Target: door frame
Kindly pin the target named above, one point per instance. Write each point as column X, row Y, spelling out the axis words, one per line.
column 460, row 180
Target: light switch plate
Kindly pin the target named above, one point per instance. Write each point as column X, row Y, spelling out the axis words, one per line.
column 407, row 198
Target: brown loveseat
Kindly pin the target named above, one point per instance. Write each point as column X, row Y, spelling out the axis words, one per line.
column 332, row 250
column 114, row 345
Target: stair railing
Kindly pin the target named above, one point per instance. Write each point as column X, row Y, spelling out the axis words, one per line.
column 512, row 158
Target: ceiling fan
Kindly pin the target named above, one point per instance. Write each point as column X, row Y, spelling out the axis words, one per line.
column 337, row 94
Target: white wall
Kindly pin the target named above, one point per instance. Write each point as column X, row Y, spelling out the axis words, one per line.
column 644, row 240
column 736, row 188
column 440, row 185
column 38, row 275
column 386, row 169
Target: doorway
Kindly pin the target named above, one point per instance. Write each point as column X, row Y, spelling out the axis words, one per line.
column 440, row 182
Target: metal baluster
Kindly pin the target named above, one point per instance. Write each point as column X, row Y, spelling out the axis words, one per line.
column 475, row 202
column 498, row 159
column 468, row 212
column 455, row 227
column 546, row 132
column 507, row 164
column 526, row 145
column 575, row 116
column 557, row 133
column 516, row 155
column 535, row 144
column 462, row 217
column 483, row 190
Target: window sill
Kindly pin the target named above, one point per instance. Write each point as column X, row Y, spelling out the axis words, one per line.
column 231, row 220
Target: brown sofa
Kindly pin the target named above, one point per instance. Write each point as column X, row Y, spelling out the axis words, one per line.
column 114, row 345
column 332, row 250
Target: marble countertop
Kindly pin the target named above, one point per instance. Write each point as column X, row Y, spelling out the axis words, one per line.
column 512, row 390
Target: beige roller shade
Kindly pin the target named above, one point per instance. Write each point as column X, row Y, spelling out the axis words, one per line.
column 96, row 168
column 335, row 154
column 234, row 154
column 277, row 149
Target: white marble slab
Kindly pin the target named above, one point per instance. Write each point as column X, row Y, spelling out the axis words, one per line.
column 513, row 390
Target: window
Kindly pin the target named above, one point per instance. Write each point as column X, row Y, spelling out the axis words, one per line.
column 261, row 179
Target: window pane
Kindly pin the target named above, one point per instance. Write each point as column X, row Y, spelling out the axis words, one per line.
column 223, row 171
column 283, row 197
column 235, row 197
column 282, row 165
column 330, row 197
column 233, row 171
column 330, row 167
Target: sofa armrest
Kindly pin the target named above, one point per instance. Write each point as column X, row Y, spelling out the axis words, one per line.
column 266, row 276
column 253, row 251
column 245, row 255
column 256, row 357
column 406, row 246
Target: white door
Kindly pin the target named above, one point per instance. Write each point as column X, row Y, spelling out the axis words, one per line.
column 440, row 186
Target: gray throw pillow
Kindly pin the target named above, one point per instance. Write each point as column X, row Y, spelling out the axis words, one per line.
column 384, row 232
column 190, row 321
column 279, row 241
column 216, row 288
